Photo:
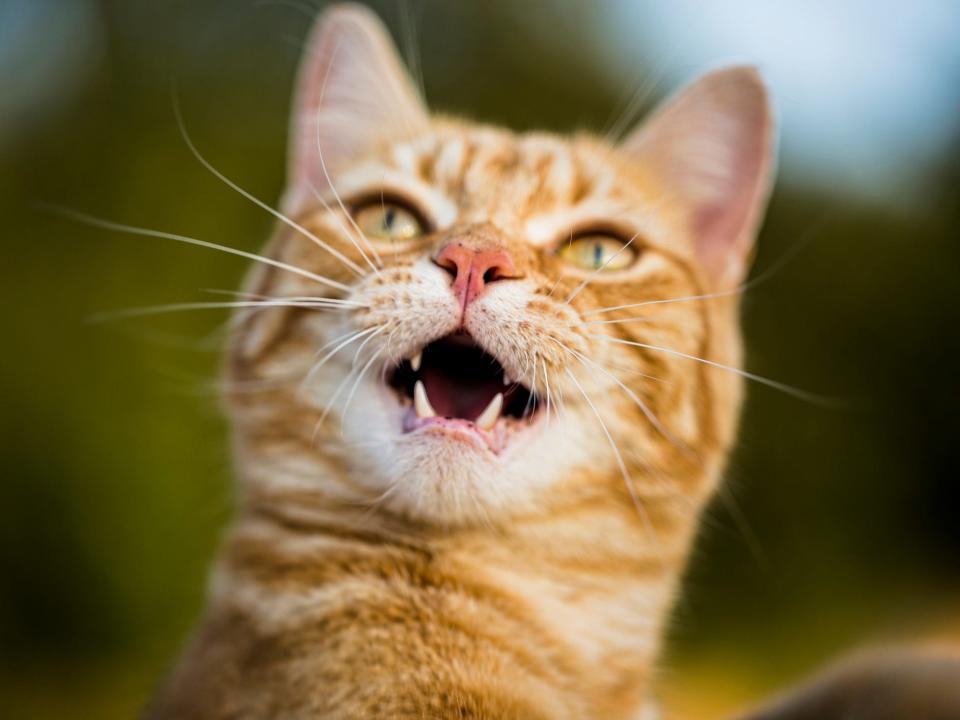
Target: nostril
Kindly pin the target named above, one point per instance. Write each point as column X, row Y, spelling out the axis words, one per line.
column 455, row 259
column 448, row 265
column 495, row 265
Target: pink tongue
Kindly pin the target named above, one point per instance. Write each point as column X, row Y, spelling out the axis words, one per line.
column 458, row 397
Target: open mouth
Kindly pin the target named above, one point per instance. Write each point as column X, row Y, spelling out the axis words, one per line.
column 454, row 385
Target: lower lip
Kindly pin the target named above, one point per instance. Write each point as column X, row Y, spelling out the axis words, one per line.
column 456, row 429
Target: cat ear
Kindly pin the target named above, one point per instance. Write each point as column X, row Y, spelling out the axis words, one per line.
column 352, row 91
column 711, row 146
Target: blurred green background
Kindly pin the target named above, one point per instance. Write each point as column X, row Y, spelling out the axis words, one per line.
column 839, row 526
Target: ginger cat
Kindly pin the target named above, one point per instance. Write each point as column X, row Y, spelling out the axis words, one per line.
column 487, row 384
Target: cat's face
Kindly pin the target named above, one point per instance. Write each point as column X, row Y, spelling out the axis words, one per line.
column 472, row 370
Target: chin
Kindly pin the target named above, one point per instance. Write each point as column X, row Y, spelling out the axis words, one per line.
column 446, row 436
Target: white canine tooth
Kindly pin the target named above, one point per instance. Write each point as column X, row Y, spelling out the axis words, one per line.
column 416, row 360
column 507, row 380
column 421, row 403
column 489, row 417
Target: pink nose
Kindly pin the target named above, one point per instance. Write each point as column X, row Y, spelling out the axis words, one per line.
column 473, row 268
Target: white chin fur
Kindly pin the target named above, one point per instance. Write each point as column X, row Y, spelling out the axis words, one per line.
column 437, row 478
column 446, row 481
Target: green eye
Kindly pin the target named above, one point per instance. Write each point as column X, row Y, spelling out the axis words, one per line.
column 388, row 221
column 598, row 252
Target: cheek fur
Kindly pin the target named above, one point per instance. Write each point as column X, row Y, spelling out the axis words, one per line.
column 412, row 303
column 530, row 335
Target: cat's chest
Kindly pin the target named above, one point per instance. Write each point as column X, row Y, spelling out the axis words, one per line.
column 599, row 616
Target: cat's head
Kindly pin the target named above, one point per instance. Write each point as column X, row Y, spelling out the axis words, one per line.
column 513, row 326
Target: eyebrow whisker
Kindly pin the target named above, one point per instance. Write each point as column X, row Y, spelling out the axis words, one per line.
column 326, row 175
column 257, row 201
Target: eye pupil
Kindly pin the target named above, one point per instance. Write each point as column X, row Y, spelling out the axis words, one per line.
column 599, row 251
column 597, row 255
column 384, row 219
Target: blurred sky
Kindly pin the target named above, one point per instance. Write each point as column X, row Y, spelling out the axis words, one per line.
column 48, row 51
column 868, row 92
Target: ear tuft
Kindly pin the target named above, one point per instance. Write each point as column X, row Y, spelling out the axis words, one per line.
column 352, row 92
column 711, row 146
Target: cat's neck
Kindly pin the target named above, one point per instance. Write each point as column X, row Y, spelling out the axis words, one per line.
column 592, row 583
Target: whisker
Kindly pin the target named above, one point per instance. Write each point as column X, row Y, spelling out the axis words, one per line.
column 788, row 389
column 224, row 386
column 351, row 338
column 357, row 333
column 257, row 201
column 559, row 275
column 364, row 344
column 662, row 481
column 570, row 242
column 239, row 387
column 588, row 278
column 616, row 321
column 179, row 307
column 526, row 406
column 239, row 318
column 546, row 387
column 94, row 221
column 644, row 408
column 635, row 103
column 347, row 232
column 708, row 296
column 326, row 175
column 292, row 298
column 762, row 277
column 243, row 294
column 379, row 500
column 642, row 511
column 726, row 497
column 330, row 403
column 754, row 546
column 329, row 406
column 629, row 370
column 412, row 47
column 356, row 384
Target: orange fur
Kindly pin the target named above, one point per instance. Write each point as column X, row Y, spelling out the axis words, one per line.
column 373, row 574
